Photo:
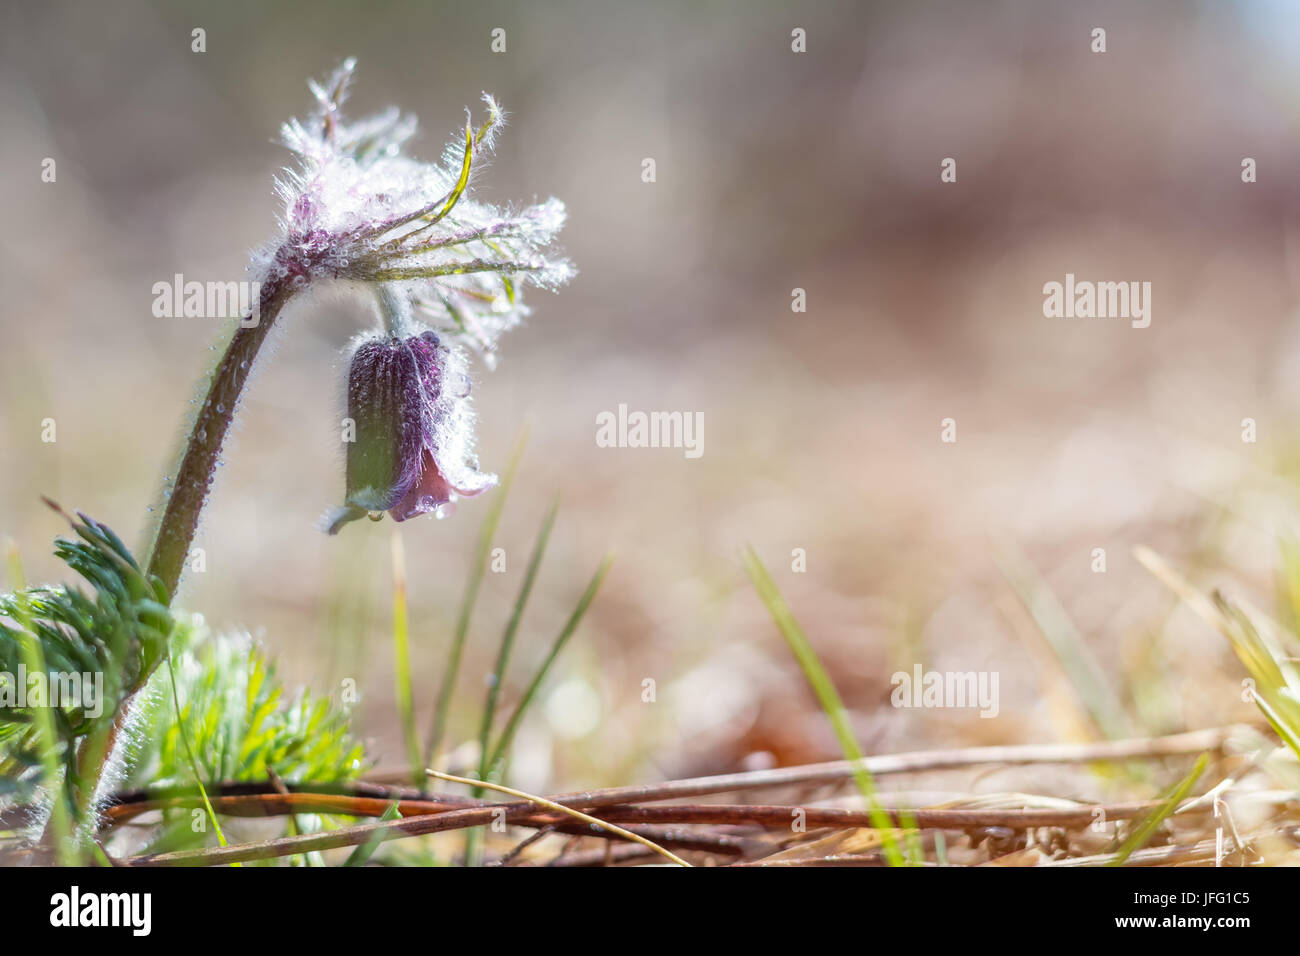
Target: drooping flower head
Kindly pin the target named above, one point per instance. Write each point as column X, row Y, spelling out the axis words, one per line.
column 408, row 400
column 448, row 272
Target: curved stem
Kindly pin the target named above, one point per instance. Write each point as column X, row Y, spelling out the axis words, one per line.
column 198, row 467
column 203, row 448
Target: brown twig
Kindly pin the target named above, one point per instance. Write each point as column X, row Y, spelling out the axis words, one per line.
column 442, row 820
column 568, row 811
column 767, row 816
column 612, row 856
column 1194, row 742
column 819, row 774
column 533, row 838
column 345, row 836
column 779, row 817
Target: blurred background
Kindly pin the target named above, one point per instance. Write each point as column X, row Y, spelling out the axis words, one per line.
column 775, row 171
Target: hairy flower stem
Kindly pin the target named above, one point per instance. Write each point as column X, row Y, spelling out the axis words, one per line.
column 198, row 466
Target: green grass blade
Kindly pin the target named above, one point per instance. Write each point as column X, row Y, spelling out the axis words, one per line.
column 1169, row 803
column 362, row 854
column 189, row 753
column 487, row 535
column 1068, row 646
column 1278, row 723
column 502, row 748
column 402, row 662
column 508, row 638
column 499, row 670
column 1276, row 689
column 827, row 696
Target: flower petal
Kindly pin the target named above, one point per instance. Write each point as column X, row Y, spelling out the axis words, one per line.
column 433, row 488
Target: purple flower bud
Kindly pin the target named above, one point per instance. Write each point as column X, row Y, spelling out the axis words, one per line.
column 409, row 401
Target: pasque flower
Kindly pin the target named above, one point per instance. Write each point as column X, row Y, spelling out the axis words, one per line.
column 357, row 209
column 408, row 399
column 443, row 267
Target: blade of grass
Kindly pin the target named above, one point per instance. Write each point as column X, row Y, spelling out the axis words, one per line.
column 502, row 748
column 402, row 661
column 486, row 536
column 508, row 639
column 190, row 758
column 1276, row 689
column 1278, row 724
column 472, row 845
column 362, row 854
column 1067, row 644
column 1288, row 585
column 347, row 610
column 1276, row 681
column 569, row 811
column 827, row 696
column 1170, row 801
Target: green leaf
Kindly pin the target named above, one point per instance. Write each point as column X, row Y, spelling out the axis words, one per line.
column 487, row 534
column 1169, row 803
column 502, row 748
column 362, row 854
column 827, row 696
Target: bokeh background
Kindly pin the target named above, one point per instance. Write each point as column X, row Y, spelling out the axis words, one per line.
column 775, row 171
